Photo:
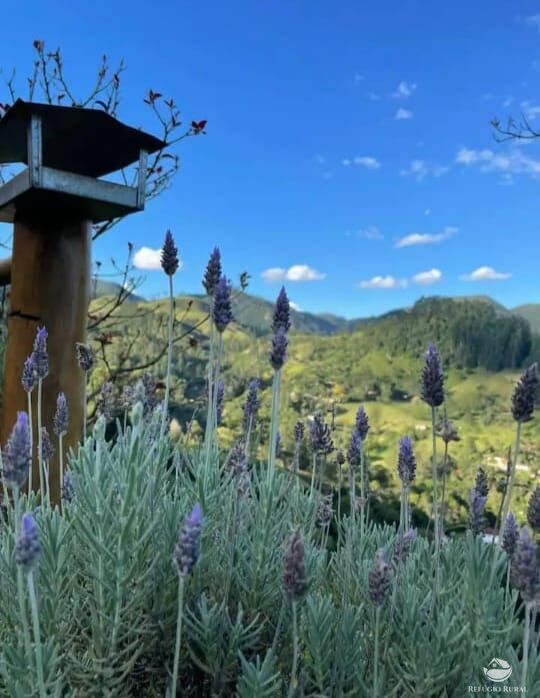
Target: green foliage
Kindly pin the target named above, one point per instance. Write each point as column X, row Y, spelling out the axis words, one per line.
column 107, row 590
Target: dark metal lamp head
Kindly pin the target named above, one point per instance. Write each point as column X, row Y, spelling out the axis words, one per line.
column 66, row 150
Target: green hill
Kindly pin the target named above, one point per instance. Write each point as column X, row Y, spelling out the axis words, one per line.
column 531, row 312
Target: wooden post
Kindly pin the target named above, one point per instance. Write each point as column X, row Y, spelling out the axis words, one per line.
column 50, row 287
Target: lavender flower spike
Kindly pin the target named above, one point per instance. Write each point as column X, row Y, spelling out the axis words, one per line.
column 406, row 461
column 68, row 487
column 319, row 436
column 362, row 423
column 187, row 550
column 380, row 579
column 477, row 504
column 282, row 312
column 61, row 416
column 169, row 255
column 85, row 356
column 295, row 582
column 278, row 353
column 27, row 547
column 17, row 454
column 29, row 377
column 354, row 452
column 533, row 511
column 47, row 450
column 481, row 484
column 432, row 390
column 524, row 570
column 222, row 311
column 510, row 536
column 250, row 407
column 212, row 274
column 40, row 355
column 524, row 394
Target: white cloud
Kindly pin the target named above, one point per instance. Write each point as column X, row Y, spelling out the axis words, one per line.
column 370, row 233
column 511, row 162
column 366, row 161
column 373, row 96
column 404, row 89
column 358, row 78
column 403, row 114
column 485, row 274
column 148, row 259
column 419, row 169
column 295, row 306
column 425, row 278
column 385, row 282
column 320, row 159
column 507, row 102
column 298, row 272
column 427, row 212
column 426, row 238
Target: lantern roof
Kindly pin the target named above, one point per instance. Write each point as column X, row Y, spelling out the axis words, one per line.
column 84, row 141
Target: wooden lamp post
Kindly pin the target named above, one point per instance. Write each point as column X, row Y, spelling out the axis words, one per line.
column 52, row 204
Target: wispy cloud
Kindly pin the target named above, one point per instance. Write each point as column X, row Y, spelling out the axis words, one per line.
column 420, row 169
column 426, row 278
column 403, row 114
column 382, row 282
column 366, row 161
column 148, row 259
column 404, row 89
column 511, row 162
column 358, row 78
column 533, row 21
column 485, row 274
column 373, row 96
column 295, row 306
column 298, row 272
column 426, row 238
column 370, row 233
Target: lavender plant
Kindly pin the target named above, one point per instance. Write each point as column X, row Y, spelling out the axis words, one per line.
column 169, row 263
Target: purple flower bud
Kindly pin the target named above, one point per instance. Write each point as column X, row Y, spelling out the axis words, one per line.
column 282, row 313
column 106, row 401
column 379, row 579
column 432, row 390
column 238, row 466
column 127, row 398
column 362, row 423
column 447, row 431
column 220, row 395
column 27, row 547
column 250, row 407
column 524, row 567
column 402, row 546
column 299, row 432
column 481, row 484
column 295, row 582
column 278, row 353
column 29, row 378
column 320, row 437
column 510, row 535
column 47, row 450
column 61, row 416
column 354, row 452
column 325, row 512
column 212, row 274
column 524, row 394
column 68, row 487
column 40, row 355
column 187, row 550
column 85, row 356
column 169, row 255
column 222, row 311
column 533, row 510
column 406, row 462
column 477, row 504
column 278, row 444
column 17, row 453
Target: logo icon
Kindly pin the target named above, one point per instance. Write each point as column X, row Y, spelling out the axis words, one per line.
column 498, row 670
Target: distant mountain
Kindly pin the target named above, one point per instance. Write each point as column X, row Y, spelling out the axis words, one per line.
column 530, row 312
column 101, row 288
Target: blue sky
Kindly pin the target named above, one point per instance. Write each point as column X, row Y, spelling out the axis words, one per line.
column 348, row 143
